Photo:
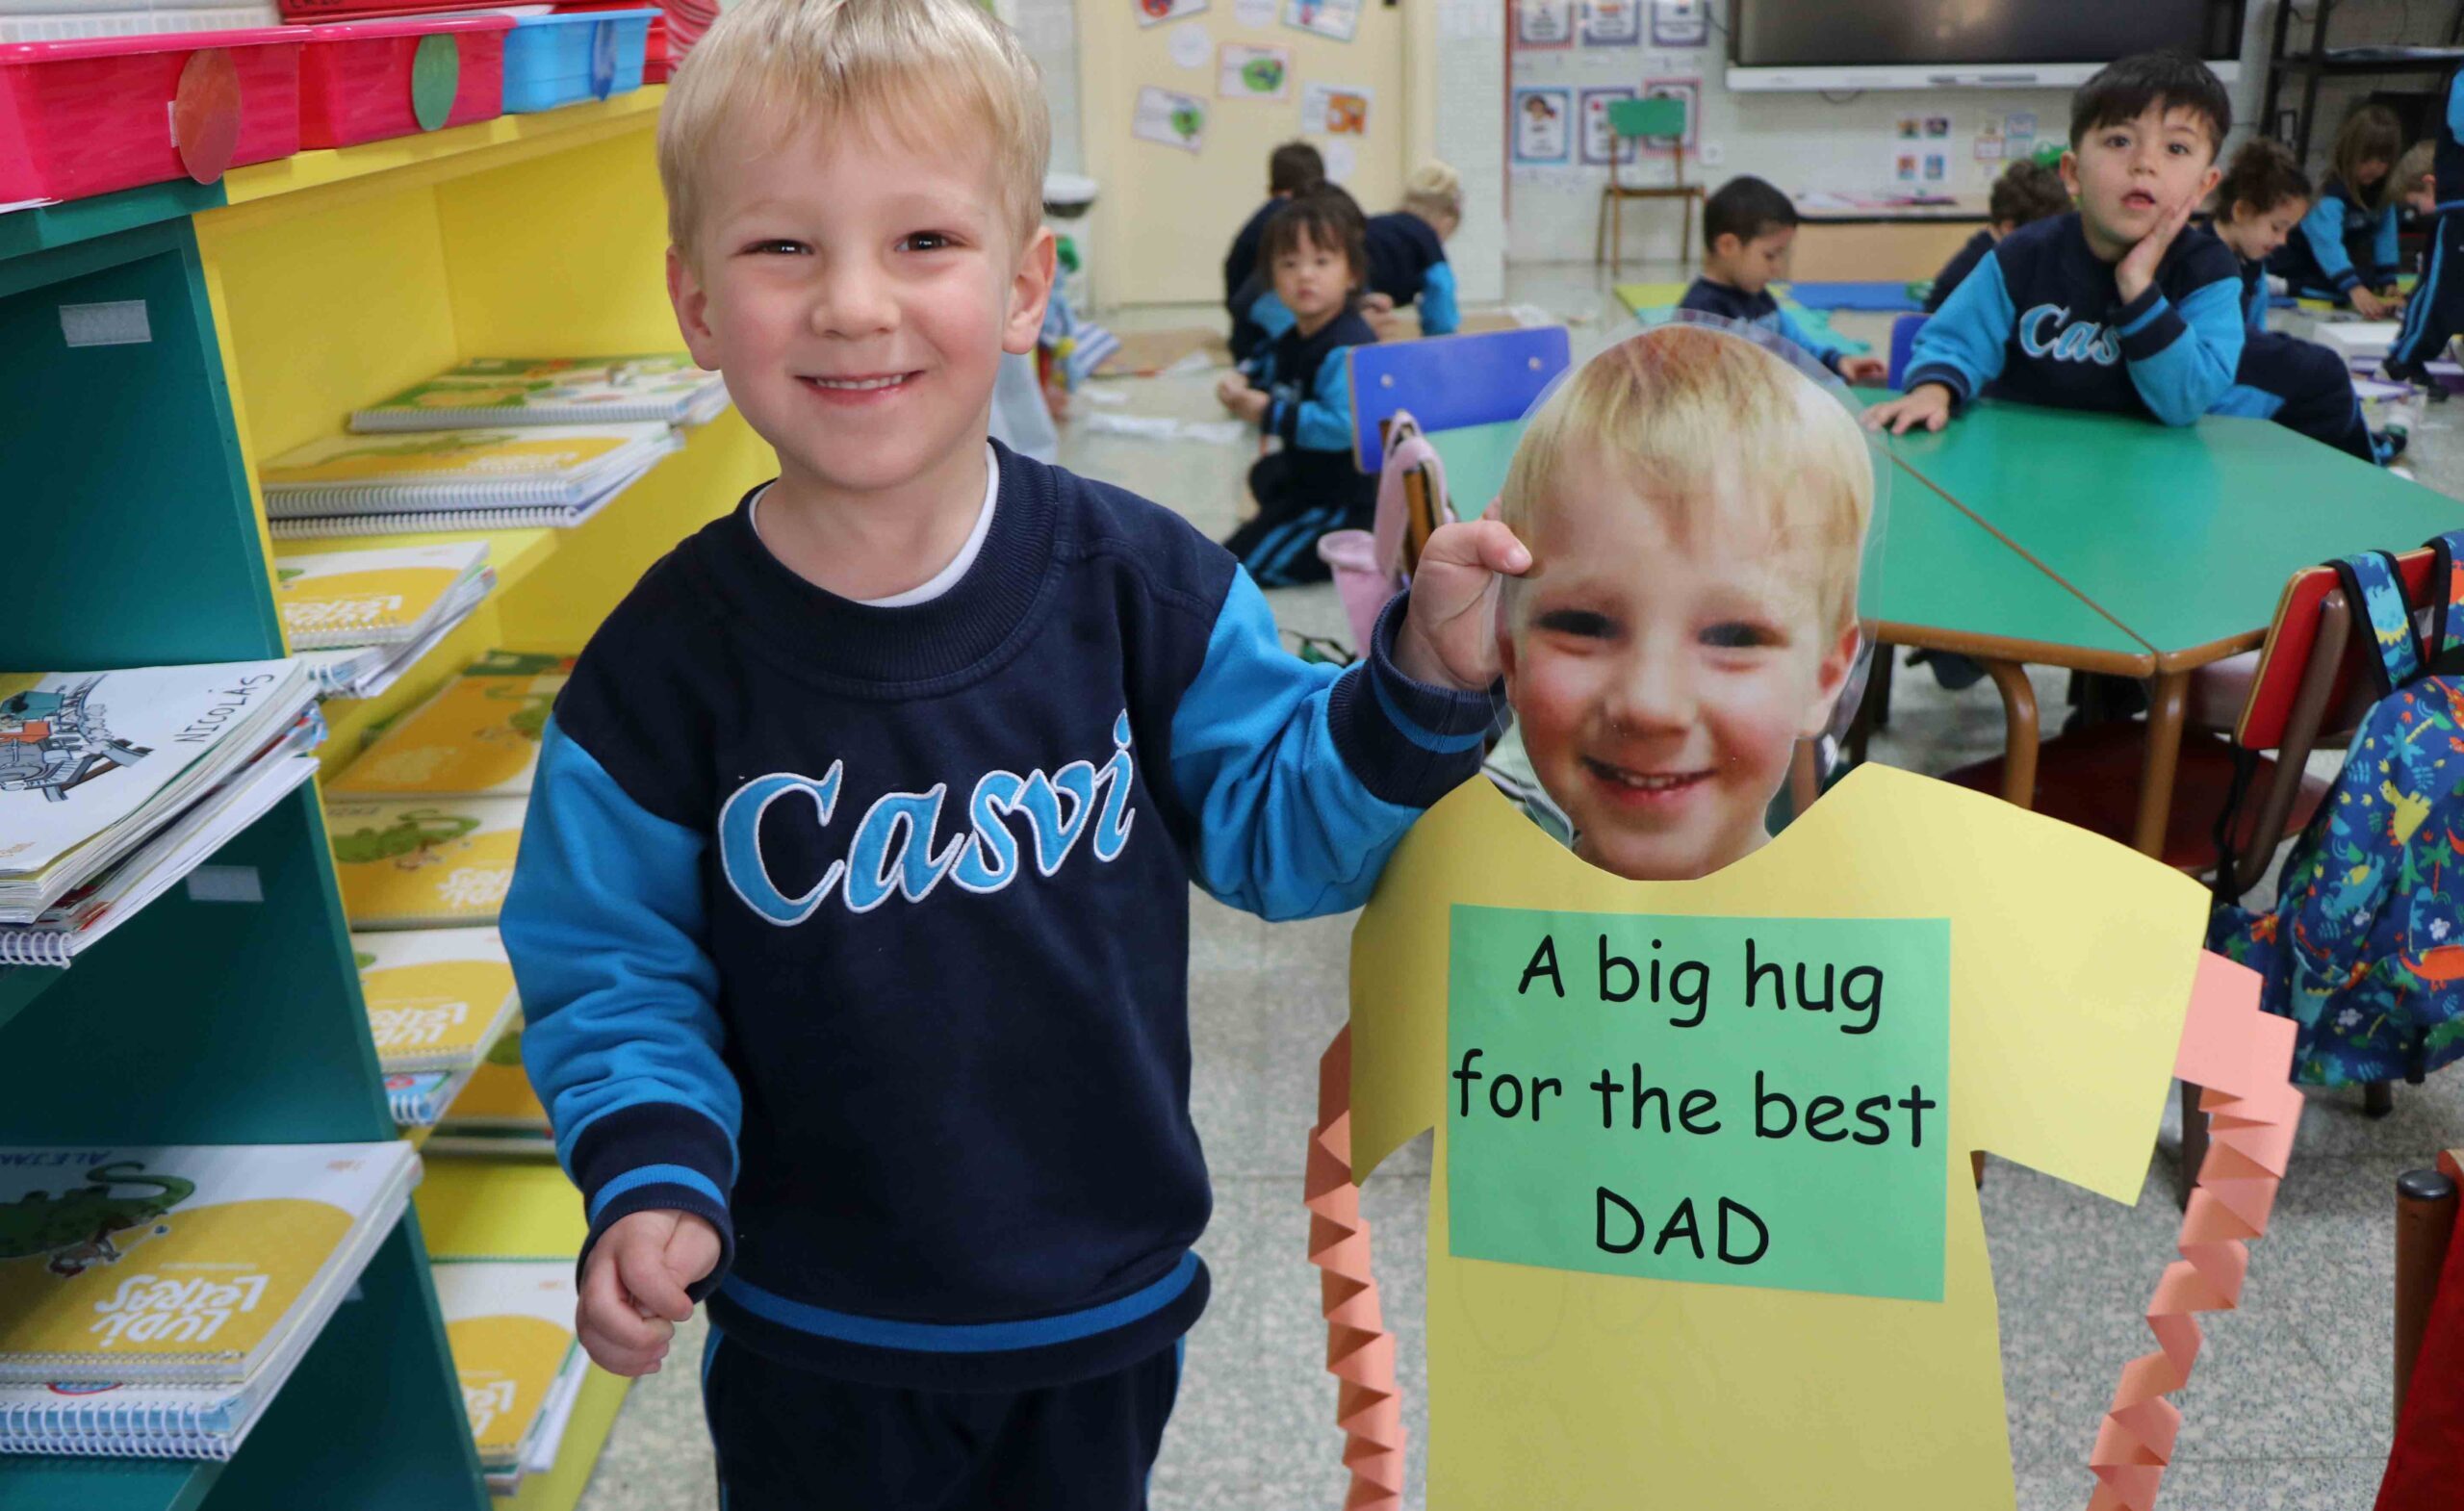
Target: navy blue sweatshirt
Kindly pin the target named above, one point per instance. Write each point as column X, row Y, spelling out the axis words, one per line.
column 1407, row 264
column 862, row 932
column 2340, row 247
column 1974, row 251
column 1310, row 381
column 2042, row 320
column 1241, row 264
column 1729, row 302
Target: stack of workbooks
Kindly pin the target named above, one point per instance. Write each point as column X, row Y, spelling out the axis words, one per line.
column 153, row 1300
column 511, row 1324
column 115, row 785
column 666, row 388
column 360, row 618
column 437, row 1001
column 497, row 1112
column 472, row 479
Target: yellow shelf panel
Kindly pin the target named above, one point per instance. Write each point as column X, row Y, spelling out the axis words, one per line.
column 594, row 1418
column 499, row 1209
column 460, row 149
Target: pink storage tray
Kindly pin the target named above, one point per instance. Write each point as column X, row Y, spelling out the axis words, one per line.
column 90, row 116
column 359, row 81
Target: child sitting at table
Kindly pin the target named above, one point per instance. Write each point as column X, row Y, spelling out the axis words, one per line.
column 1298, row 389
column 2119, row 305
column 2026, row 193
column 2346, row 249
column 1697, row 510
column 1748, row 230
column 1291, row 168
column 2298, row 384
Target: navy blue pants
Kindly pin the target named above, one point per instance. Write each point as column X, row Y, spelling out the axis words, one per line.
column 1301, row 496
column 2436, row 309
column 2314, row 388
column 791, row 1440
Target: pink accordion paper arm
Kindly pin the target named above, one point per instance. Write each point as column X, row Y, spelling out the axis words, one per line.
column 1360, row 1352
column 2241, row 1059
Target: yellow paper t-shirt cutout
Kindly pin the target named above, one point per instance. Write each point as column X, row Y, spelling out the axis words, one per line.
column 2071, row 963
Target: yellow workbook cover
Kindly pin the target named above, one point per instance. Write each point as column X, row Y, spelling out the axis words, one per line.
column 377, row 596
column 510, row 1326
column 424, row 862
column 500, row 1100
column 478, row 736
column 478, row 457
column 437, row 998
column 180, row 1263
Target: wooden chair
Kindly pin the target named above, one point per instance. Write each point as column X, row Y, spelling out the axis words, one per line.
column 1449, row 381
column 1639, row 121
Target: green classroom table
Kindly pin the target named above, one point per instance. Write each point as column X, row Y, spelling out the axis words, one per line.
column 2098, row 543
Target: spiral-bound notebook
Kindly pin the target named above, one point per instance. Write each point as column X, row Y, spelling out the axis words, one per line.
column 476, row 737
column 511, row 1324
column 437, row 998
column 554, row 390
column 424, row 862
column 183, row 1265
column 383, row 597
column 458, row 479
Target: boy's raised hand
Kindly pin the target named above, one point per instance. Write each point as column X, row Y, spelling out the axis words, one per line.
column 633, row 1290
column 1927, row 404
column 2137, row 269
column 1449, row 630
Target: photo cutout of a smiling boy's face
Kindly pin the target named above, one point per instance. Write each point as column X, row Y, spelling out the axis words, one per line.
column 1697, row 508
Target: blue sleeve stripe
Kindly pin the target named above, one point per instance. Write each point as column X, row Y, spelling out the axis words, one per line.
column 1272, row 315
column 1039, row 1332
column 654, row 1175
column 2455, row 107
column 2138, row 322
column 2184, row 362
column 2323, row 232
column 1325, row 416
column 1425, row 739
column 1964, row 345
column 1439, row 316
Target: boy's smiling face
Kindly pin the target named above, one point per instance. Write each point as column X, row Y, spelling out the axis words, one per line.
column 1662, row 677
column 858, row 291
column 2128, row 174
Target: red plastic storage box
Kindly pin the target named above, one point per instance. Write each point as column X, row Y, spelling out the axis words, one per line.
column 366, row 81
column 88, row 117
column 296, row 12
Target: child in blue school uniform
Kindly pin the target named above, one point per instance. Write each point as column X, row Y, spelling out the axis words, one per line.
column 2435, row 312
column 1749, row 228
column 2122, row 305
column 1406, row 262
column 852, row 916
column 1297, row 390
column 2026, row 193
column 2346, row 249
column 2298, row 384
column 1293, row 169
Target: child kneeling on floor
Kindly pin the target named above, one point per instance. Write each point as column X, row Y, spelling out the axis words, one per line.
column 1297, row 390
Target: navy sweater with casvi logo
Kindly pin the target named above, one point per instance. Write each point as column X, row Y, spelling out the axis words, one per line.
column 863, row 932
column 2041, row 319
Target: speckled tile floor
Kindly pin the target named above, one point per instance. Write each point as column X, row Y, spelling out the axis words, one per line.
column 2288, row 1410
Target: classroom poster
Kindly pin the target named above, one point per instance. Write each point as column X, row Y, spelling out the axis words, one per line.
column 1612, row 23
column 1190, row 45
column 1253, row 12
column 1155, row 12
column 1542, row 131
column 1544, row 24
column 1334, row 110
column 1598, row 142
column 1338, row 19
column 1679, row 23
column 1169, row 117
column 1690, row 91
column 1727, row 1101
column 1244, row 72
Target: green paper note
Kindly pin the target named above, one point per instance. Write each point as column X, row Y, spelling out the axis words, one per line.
column 436, row 77
column 1622, row 1098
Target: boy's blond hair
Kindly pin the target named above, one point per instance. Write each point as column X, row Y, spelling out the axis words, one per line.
column 1721, row 434
column 932, row 75
column 1432, row 189
column 2411, row 170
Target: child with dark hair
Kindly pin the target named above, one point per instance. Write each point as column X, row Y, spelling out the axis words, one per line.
column 2296, row 383
column 1298, row 389
column 2346, row 249
column 2026, row 193
column 1291, row 168
column 2436, row 309
column 2119, row 305
column 1748, row 229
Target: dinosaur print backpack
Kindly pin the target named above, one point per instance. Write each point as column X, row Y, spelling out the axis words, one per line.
column 2364, row 948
